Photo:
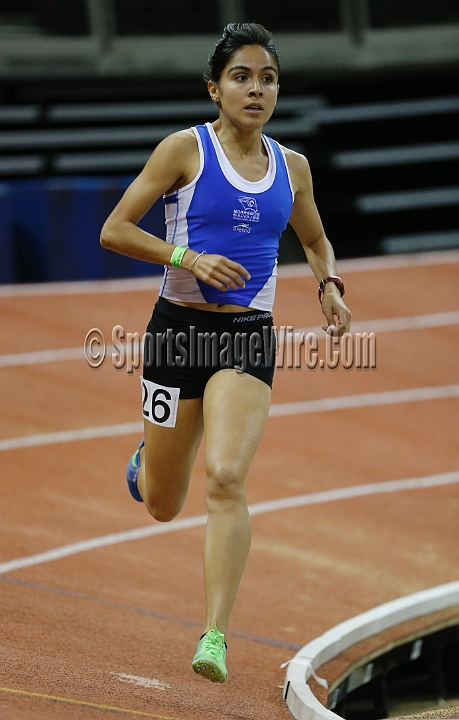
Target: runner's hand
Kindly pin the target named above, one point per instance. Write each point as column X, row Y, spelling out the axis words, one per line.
column 334, row 307
column 218, row 271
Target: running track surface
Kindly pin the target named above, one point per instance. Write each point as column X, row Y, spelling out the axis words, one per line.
column 77, row 631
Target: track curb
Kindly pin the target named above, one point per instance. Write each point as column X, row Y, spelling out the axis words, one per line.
column 299, row 697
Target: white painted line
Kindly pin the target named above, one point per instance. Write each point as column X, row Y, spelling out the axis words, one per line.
column 410, row 322
column 153, row 282
column 388, row 397
column 64, row 436
column 104, row 541
column 260, row 508
column 374, row 264
column 354, row 491
column 141, row 681
column 84, row 287
column 41, row 356
column 301, row 702
column 343, row 402
column 38, row 357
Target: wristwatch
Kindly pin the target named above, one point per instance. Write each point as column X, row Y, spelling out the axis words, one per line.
column 334, row 279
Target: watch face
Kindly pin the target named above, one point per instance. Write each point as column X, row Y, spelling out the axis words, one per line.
column 334, row 279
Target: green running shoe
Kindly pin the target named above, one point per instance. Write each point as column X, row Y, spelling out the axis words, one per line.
column 210, row 657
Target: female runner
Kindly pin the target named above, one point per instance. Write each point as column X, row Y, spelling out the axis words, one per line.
column 229, row 192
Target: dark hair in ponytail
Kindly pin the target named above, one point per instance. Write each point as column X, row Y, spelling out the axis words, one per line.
column 235, row 36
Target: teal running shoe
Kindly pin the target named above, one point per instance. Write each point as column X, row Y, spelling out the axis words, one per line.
column 132, row 473
column 210, row 658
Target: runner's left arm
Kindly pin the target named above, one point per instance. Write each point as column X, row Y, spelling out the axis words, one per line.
column 307, row 224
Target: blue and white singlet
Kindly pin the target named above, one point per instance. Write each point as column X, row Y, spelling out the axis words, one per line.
column 221, row 212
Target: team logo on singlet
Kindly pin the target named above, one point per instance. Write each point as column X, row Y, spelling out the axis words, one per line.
column 242, row 227
column 249, row 212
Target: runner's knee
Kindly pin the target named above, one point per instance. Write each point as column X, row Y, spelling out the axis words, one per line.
column 224, row 483
column 162, row 511
column 163, row 500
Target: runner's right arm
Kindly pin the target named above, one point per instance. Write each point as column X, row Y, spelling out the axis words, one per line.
column 173, row 164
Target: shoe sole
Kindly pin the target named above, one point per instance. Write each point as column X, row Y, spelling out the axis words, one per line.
column 209, row 670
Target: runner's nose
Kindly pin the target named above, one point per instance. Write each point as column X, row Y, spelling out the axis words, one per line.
column 256, row 88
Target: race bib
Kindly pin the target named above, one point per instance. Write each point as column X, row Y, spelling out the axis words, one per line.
column 159, row 403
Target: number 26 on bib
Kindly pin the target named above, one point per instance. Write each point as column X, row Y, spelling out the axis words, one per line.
column 159, row 403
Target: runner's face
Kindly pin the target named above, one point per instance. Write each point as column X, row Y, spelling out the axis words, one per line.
column 247, row 89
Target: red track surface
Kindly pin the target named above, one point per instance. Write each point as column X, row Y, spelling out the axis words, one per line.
column 69, row 626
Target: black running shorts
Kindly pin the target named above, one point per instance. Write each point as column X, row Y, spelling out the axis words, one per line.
column 184, row 347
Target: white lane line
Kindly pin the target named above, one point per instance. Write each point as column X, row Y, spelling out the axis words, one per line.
column 83, row 287
column 410, row 322
column 41, row 356
column 343, row 402
column 64, row 436
column 38, row 357
column 370, row 264
column 260, row 508
column 388, row 397
column 103, row 541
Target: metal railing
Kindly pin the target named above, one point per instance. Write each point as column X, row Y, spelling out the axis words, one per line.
column 106, row 52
